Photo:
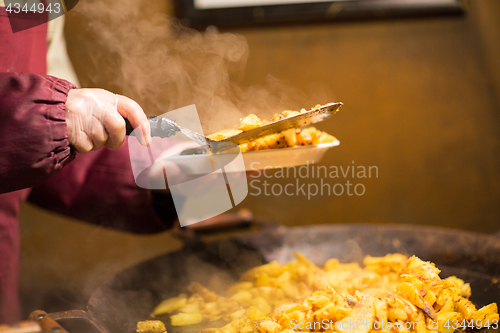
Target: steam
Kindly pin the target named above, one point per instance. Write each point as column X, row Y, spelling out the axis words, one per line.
column 165, row 66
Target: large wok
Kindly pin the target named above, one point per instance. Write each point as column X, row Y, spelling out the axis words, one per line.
column 130, row 296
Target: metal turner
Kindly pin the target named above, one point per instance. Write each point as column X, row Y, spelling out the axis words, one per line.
column 164, row 128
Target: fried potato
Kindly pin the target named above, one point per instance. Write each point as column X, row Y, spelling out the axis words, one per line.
column 221, row 135
column 185, row 319
column 412, row 294
column 445, row 321
column 289, row 138
column 362, row 314
column 151, row 326
column 170, row 305
column 277, row 117
column 423, row 269
column 391, row 294
column 483, row 313
column 466, row 308
column 287, row 113
column 250, row 122
column 270, row 326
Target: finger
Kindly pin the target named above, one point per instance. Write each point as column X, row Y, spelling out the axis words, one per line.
column 76, row 136
column 114, row 124
column 82, row 143
column 133, row 112
column 97, row 133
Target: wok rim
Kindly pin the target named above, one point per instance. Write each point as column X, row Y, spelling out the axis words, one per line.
column 340, row 226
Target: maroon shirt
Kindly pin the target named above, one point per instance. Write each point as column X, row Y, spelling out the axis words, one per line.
column 24, row 51
column 35, row 158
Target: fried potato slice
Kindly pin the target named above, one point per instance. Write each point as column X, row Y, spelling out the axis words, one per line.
column 411, row 293
column 362, row 314
column 289, row 138
column 170, row 305
column 483, row 313
column 250, row 122
column 223, row 134
column 151, row 326
column 185, row 319
column 270, row 326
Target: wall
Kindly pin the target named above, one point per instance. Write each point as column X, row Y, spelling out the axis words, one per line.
column 422, row 102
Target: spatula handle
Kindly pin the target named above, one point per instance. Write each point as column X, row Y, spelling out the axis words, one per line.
column 160, row 127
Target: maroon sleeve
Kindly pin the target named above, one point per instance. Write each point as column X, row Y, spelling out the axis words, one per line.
column 99, row 187
column 33, row 135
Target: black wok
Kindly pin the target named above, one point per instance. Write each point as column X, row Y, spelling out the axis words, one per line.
column 117, row 305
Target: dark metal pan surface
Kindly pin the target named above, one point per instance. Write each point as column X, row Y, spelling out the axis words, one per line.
column 131, row 295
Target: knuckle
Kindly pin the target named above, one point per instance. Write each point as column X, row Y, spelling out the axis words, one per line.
column 110, row 97
column 121, row 125
column 117, row 125
column 117, row 143
column 84, row 148
column 135, row 105
column 86, row 93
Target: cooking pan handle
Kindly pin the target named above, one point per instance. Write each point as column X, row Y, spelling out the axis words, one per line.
column 52, row 318
column 46, row 323
column 238, row 221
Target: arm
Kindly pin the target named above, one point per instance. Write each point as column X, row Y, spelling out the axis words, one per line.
column 40, row 120
column 33, row 135
column 99, row 187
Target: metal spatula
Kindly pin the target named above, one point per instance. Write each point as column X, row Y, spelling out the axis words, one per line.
column 164, row 128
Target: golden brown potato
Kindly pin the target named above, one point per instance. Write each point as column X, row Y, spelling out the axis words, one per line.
column 269, row 326
column 289, row 138
column 170, row 305
column 483, row 313
column 276, row 118
column 362, row 315
column 299, row 296
column 221, row 135
column 250, row 122
column 151, row 326
column 185, row 319
column 290, row 113
column 304, row 138
column 325, row 138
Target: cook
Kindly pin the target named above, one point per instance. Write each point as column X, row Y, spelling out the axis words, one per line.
column 55, row 151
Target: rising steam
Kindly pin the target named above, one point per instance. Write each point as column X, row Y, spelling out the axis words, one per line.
column 165, row 66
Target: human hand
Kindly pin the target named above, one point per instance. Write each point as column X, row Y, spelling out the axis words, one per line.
column 95, row 118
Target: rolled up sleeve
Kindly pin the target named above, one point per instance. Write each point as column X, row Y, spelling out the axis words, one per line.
column 33, row 136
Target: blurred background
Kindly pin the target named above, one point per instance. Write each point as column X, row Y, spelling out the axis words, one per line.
column 421, row 102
